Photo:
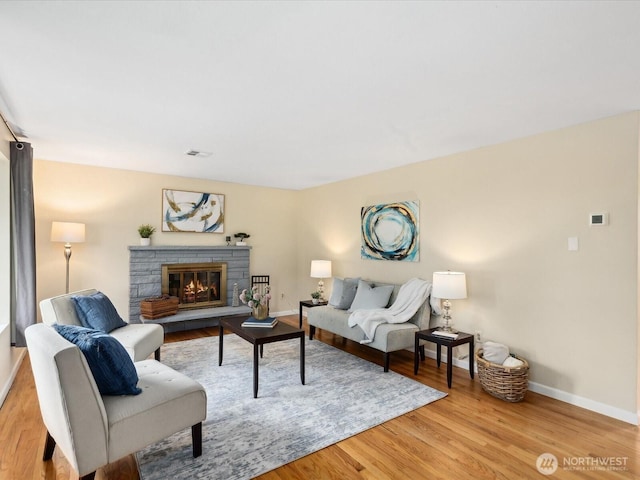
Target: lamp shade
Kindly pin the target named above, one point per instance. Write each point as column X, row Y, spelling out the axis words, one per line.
column 449, row 285
column 320, row 268
column 67, row 232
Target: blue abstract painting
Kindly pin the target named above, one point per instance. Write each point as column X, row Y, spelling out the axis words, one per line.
column 390, row 232
column 192, row 212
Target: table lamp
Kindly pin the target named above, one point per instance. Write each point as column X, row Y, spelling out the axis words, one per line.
column 449, row 286
column 321, row 269
column 68, row 233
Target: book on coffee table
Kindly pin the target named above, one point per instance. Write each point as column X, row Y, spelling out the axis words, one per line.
column 268, row 322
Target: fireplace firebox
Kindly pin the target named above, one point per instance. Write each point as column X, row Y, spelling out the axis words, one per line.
column 197, row 285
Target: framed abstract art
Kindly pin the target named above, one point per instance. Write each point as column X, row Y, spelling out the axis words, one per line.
column 390, row 232
column 192, row 212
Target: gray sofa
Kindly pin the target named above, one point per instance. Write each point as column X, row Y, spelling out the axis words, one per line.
column 388, row 338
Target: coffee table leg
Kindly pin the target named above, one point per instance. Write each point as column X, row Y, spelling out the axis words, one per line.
column 300, row 317
column 302, row 358
column 221, row 335
column 256, row 349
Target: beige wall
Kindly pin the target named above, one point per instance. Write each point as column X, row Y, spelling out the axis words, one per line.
column 112, row 203
column 503, row 215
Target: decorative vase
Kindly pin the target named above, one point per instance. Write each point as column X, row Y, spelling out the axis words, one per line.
column 315, row 301
column 260, row 312
column 145, row 242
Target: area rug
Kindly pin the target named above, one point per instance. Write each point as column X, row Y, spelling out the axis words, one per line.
column 244, row 436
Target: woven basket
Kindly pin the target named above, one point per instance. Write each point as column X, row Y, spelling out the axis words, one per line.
column 506, row 383
column 158, row 307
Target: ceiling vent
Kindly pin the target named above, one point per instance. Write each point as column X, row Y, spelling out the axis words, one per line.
column 197, row 153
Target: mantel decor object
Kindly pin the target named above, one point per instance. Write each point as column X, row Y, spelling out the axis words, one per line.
column 242, row 236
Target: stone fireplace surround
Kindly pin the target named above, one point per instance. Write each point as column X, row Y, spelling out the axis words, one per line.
column 145, row 269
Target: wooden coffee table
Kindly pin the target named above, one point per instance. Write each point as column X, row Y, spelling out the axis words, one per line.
column 258, row 336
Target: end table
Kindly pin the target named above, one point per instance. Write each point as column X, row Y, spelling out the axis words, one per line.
column 443, row 341
column 309, row 304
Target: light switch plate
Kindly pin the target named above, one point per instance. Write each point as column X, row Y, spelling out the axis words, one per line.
column 573, row 244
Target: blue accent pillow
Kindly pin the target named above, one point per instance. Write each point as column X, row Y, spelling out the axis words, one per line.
column 96, row 311
column 110, row 364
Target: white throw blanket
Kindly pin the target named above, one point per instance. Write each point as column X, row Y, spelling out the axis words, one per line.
column 410, row 297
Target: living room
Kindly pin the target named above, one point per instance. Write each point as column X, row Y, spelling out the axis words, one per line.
column 508, row 233
column 501, row 213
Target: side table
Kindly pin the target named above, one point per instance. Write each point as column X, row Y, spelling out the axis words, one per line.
column 443, row 341
column 309, row 304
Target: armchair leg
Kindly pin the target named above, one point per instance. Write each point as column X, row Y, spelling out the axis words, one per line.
column 386, row 361
column 196, row 438
column 157, row 354
column 312, row 331
column 49, row 447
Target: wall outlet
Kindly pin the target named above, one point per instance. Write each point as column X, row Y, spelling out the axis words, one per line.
column 478, row 336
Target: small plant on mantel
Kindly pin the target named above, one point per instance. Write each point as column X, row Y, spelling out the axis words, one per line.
column 146, row 230
column 242, row 236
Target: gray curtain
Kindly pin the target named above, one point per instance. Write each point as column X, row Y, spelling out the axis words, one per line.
column 23, row 242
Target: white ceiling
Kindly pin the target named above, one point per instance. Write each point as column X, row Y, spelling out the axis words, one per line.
column 298, row 94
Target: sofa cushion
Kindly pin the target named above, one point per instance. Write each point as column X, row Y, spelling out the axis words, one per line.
column 343, row 292
column 368, row 296
column 110, row 364
column 97, row 312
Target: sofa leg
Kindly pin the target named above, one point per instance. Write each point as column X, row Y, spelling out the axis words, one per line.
column 49, row 447
column 386, row 361
column 196, row 438
column 88, row 476
column 312, row 331
column 157, row 354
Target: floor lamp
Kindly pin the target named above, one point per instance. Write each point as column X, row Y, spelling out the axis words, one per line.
column 68, row 233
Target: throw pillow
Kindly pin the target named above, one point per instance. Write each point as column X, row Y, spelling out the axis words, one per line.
column 368, row 296
column 96, row 311
column 343, row 292
column 110, row 364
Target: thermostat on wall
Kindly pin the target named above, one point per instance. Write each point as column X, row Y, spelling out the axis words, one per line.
column 598, row 219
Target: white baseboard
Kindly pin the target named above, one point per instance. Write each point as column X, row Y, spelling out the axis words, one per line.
column 614, row 412
column 17, row 354
column 284, row 312
column 578, row 401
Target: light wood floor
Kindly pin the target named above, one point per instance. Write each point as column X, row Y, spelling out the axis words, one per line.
column 468, row 434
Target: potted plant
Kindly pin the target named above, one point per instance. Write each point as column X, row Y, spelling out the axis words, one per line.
column 315, row 297
column 242, row 236
column 145, row 231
